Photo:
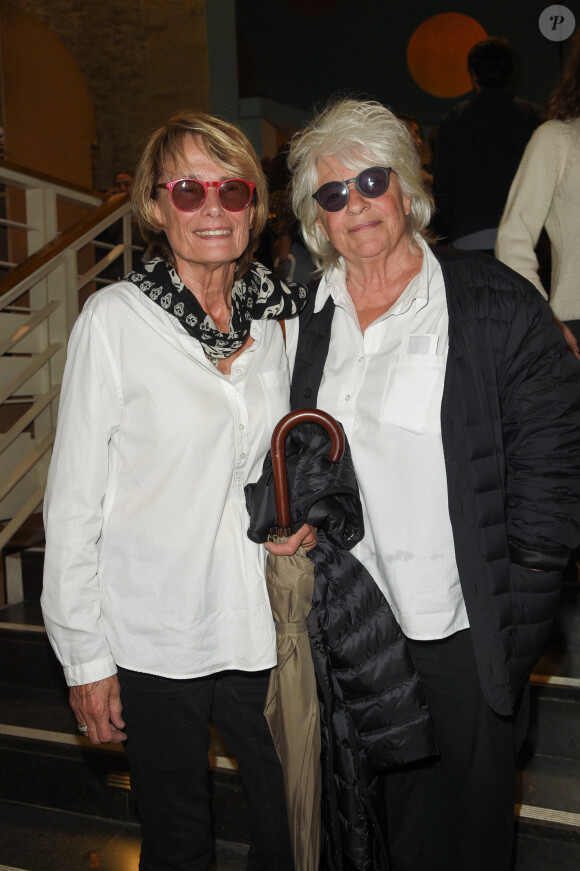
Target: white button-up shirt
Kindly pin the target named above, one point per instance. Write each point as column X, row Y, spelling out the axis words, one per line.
column 385, row 387
column 148, row 564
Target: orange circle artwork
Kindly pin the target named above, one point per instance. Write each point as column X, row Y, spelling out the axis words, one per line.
column 437, row 53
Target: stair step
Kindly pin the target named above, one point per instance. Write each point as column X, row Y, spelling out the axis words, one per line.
column 63, row 776
column 30, row 534
column 554, row 681
column 46, row 762
column 24, row 615
column 556, row 819
column 27, row 659
column 41, row 839
column 555, row 720
column 552, row 785
column 32, row 565
column 40, row 710
column 66, row 773
column 538, row 852
column 562, row 652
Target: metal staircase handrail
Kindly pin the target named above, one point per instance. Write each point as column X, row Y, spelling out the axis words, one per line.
column 23, row 331
column 29, row 507
column 39, row 303
column 27, row 418
column 18, row 176
column 41, row 263
column 26, row 374
column 26, row 465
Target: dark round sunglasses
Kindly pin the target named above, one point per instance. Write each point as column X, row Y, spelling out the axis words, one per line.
column 334, row 195
column 189, row 194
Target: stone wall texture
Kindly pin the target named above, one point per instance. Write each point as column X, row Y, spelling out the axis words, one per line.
column 141, row 60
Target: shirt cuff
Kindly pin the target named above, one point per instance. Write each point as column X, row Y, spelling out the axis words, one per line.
column 88, row 672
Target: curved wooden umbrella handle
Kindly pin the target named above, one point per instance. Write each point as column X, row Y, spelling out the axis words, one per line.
column 283, row 427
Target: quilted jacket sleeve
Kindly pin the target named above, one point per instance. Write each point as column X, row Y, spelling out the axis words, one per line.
column 539, row 383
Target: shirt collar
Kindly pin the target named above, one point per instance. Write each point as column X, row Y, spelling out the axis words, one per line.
column 333, row 284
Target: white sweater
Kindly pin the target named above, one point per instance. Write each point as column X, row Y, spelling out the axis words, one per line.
column 546, row 192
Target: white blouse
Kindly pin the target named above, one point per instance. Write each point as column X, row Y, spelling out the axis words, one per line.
column 148, row 565
column 385, row 387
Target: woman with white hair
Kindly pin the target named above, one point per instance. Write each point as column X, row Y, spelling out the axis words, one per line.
column 443, row 367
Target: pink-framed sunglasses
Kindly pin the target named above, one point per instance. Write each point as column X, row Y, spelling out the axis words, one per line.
column 189, row 194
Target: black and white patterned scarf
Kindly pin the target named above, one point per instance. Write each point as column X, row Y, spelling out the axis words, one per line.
column 256, row 295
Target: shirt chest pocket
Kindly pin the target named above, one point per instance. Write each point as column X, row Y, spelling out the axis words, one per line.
column 413, row 391
column 276, row 389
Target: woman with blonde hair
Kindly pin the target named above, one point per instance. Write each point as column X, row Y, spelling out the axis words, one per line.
column 154, row 598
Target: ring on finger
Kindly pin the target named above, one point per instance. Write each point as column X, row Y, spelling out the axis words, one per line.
column 82, row 728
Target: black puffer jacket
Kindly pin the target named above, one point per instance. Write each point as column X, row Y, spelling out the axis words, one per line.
column 510, row 424
column 373, row 714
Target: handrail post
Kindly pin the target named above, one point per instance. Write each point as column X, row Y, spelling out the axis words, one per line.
column 42, row 219
column 41, row 216
column 62, row 288
column 71, row 290
column 127, row 242
column 39, row 305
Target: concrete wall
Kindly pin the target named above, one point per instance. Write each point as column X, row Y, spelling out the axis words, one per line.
column 141, row 61
column 36, row 69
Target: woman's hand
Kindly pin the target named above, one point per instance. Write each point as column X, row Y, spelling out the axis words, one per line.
column 571, row 340
column 306, row 536
column 98, row 706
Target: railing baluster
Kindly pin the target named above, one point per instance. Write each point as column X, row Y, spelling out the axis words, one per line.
column 42, row 295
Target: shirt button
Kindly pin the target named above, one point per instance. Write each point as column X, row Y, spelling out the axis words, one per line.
column 239, row 371
column 242, row 426
column 242, row 456
column 347, row 397
column 361, row 359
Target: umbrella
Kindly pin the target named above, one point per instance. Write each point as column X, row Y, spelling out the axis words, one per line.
column 373, row 714
column 292, row 705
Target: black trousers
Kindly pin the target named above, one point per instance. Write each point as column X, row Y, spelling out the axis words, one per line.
column 455, row 813
column 168, row 739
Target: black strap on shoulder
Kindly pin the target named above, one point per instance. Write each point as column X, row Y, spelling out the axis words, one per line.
column 311, row 352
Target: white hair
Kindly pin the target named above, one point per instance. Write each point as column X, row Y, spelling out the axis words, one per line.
column 359, row 134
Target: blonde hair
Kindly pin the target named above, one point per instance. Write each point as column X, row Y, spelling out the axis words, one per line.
column 360, row 134
column 223, row 142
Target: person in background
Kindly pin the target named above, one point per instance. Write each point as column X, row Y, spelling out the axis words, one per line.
column 122, row 184
column 546, row 194
column 113, row 235
column 281, row 245
column 480, row 144
column 462, row 409
column 414, row 129
column 154, row 598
